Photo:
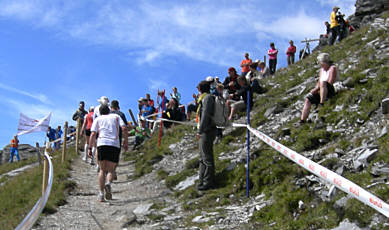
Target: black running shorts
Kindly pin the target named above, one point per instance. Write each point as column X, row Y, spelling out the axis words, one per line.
column 109, row 153
column 88, row 132
column 315, row 98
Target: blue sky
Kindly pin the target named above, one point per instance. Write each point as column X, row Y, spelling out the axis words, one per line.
column 55, row 53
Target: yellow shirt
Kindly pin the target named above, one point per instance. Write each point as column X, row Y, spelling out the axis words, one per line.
column 333, row 20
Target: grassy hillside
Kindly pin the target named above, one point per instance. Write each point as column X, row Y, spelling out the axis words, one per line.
column 276, row 176
column 19, row 194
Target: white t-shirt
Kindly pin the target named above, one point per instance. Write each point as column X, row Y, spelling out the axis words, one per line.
column 107, row 126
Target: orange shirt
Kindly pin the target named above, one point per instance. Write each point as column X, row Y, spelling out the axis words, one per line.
column 14, row 143
column 246, row 69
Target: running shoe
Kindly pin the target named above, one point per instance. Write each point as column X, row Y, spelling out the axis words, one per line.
column 100, row 197
column 108, row 194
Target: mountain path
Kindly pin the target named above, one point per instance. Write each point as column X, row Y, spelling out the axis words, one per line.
column 84, row 211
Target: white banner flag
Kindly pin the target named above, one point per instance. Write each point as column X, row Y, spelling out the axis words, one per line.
column 28, row 125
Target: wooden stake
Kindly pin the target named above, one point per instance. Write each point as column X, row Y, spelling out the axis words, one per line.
column 78, row 133
column 64, row 142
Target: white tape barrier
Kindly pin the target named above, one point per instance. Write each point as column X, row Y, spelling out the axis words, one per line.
column 320, row 171
column 178, row 122
column 60, row 139
column 324, row 173
column 35, row 212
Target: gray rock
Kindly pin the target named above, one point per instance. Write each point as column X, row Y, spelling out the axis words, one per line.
column 378, row 170
column 189, row 181
column 364, row 158
column 142, row 209
column 383, row 132
column 127, row 219
column 200, row 219
column 346, row 225
column 385, row 106
column 340, row 204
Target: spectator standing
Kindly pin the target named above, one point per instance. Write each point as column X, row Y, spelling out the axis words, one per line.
column 51, row 134
column 107, row 127
column 324, row 88
column 14, row 149
column 272, row 52
column 140, row 105
column 80, row 112
column 176, row 95
column 328, row 29
column 245, row 64
column 86, row 128
column 150, row 101
column 335, row 28
column 58, row 135
column 206, row 134
column 290, row 53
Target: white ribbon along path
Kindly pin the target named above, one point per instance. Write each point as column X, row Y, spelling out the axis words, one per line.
column 35, row 212
column 316, row 169
column 324, row 173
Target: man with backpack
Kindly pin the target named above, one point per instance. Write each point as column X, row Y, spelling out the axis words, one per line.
column 206, row 134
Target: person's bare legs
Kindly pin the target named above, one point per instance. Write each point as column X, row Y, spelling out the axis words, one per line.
column 307, row 107
column 101, row 180
column 231, row 114
column 323, row 92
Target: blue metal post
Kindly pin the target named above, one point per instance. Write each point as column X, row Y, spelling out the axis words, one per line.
column 248, row 146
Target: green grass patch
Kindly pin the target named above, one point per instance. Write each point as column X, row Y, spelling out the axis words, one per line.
column 7, row 167
column 19, row 194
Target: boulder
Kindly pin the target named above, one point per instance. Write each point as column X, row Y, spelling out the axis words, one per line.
column 366, row 11
column 385, row 106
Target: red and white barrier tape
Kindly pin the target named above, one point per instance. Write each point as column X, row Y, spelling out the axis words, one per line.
column 324, row 173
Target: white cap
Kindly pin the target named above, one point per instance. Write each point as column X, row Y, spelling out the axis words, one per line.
column 209, row 78
column 103, row 100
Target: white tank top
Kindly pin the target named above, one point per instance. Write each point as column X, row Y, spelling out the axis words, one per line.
column 324, row 75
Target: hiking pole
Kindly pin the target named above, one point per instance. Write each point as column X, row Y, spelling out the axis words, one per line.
column 248, row 146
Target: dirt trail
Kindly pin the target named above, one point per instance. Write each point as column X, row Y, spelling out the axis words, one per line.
column 83, row 211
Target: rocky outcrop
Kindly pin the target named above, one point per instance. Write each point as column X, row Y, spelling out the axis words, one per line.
column 367, row 10
column 25, row 151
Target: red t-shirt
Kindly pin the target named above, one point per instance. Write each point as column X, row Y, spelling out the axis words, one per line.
column 89, row 120
column 246, row 69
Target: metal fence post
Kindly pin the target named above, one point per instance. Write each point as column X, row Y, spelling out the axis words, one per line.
column 64, row 141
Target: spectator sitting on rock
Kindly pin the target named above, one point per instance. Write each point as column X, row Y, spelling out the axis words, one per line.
column 253, row 78
column 324, row 88
column 172, row 113
column 245, row 64
column 242, row 92
column 191, row 107
column 231, row 82
column 265, row 72
column 141, row 133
